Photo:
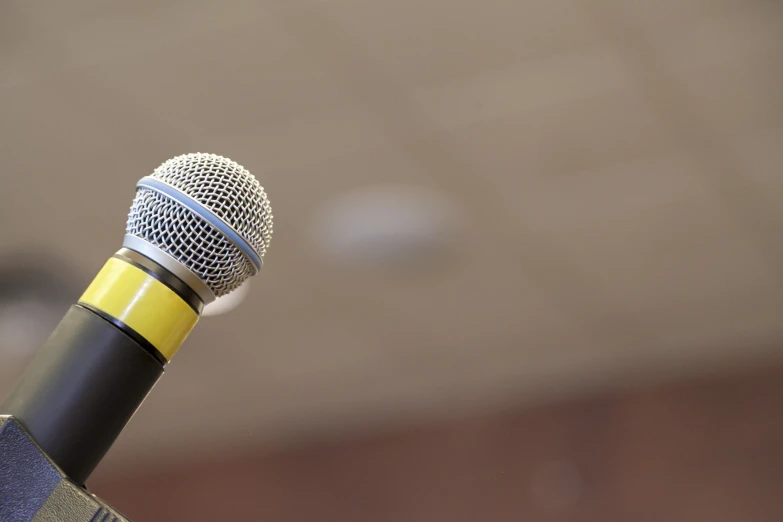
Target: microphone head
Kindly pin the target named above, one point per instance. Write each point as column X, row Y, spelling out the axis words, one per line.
column 206, row 214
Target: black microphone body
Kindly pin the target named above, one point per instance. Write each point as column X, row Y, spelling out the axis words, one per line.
column 81, row 389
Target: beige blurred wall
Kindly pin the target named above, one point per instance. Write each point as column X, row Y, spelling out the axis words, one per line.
column 702, row 450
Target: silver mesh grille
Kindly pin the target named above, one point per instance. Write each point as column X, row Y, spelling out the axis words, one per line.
column 189, row 239
column 229, row 191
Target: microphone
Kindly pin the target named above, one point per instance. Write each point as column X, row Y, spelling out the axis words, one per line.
column 198, row 227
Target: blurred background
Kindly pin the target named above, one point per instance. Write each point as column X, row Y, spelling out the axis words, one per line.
column 527, row 262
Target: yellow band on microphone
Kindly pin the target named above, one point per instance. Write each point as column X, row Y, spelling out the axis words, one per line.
column 142, row 303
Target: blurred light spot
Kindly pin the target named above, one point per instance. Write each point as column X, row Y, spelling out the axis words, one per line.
column 387, row 226
column 225, row 304
column 25, row 325
column 35, row 292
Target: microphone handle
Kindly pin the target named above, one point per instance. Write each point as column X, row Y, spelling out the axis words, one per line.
column 87, row 381
column 81, row 389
